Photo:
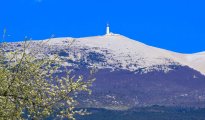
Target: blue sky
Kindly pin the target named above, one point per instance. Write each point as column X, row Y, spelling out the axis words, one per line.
column 177, row 25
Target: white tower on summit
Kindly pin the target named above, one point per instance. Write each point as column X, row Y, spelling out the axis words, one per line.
column 108, row 30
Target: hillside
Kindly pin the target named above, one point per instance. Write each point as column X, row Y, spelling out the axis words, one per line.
column 130, row 73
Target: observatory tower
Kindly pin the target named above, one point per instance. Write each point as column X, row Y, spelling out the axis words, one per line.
column 108, row 30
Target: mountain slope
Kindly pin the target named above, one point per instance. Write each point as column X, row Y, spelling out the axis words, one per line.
column 130, row 73
column 124, row 53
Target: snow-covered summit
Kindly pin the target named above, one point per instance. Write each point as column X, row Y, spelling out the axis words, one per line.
column 119, row 52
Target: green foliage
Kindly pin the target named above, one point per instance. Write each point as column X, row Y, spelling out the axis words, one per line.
column 30, row 87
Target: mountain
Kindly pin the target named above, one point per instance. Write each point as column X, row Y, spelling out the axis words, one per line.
column 130, row 73
column 119, row 52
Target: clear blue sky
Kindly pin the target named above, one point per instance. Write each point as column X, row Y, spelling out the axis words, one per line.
column 177, row 25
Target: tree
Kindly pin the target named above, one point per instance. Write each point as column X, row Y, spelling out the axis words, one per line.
column 31, row 86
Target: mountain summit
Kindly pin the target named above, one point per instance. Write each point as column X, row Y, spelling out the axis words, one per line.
column 120, row 52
